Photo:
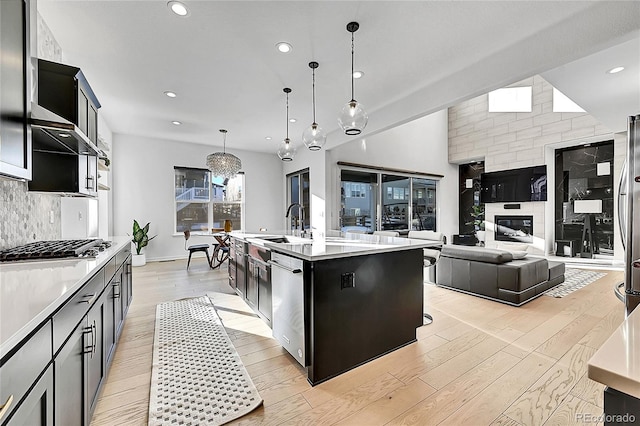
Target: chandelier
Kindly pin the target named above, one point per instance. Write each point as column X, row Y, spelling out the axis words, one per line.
column 224, row 164
column 353, row 118
column 286, row 152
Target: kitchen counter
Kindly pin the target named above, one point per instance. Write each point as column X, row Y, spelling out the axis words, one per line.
column 617, row 362
column 31, row 291
column 334, row 247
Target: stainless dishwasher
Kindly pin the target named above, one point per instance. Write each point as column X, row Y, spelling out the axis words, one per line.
column 287, row 284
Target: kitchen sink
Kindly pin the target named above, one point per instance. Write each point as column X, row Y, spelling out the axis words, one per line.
column 286, row 239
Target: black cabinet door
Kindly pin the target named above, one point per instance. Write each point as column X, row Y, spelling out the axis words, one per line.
column 83, row 111
column 264, row 291
column 252, row 283
column 96, row 360
column 241, row 267
column 109, row 331
column 70, row 371
column 15, row 136
column 92, row 123
column 37, row 408
column 120, row 299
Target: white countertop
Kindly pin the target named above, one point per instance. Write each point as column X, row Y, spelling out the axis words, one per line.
column 617, row 362
column 31, row 291
column 336, row 247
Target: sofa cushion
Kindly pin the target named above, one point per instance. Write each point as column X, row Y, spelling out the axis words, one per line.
column 519, row 254
column 478, row 254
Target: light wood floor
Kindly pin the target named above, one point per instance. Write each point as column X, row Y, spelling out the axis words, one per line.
column 478, row 363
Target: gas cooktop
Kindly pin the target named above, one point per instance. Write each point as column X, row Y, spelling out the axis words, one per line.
column 57, row 249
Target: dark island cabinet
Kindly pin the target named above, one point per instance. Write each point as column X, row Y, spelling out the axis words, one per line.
column 56, row 375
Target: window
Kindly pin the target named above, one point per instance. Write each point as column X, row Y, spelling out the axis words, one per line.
column 227, row 201
column 202, row 204
column 510, row 99
column 561, row 103
column 298, row 192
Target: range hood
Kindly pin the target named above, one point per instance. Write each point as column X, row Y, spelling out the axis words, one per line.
column 52, row 133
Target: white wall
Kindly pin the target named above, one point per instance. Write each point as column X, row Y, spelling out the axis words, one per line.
column 421, row 146
column 143, row 180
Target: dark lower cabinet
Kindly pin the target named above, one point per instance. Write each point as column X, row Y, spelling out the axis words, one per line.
column 96, row 359
column 253, row 277
column 70, row 366
column 264, row 291
column 37, row 408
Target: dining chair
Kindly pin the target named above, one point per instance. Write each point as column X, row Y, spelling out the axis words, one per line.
column 195, row 248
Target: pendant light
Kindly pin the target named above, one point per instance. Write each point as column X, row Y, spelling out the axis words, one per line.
column 286, row 151
column 222, row 163
column 353, row 118
column 313, row 136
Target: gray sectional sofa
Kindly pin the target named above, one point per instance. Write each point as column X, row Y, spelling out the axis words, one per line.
column 495, row 274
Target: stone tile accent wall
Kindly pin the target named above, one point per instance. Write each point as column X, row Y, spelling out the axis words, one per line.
column 24, row 215
column 515, row 140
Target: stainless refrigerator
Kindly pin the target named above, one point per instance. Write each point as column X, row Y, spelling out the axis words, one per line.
column 629, row 217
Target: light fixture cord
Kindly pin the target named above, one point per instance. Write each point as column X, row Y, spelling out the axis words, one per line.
column 313, row 93
column 352, row 95
column 224, row 142
column 287, row 116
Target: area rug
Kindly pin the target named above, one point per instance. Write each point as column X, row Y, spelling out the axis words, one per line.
column 574, row 279
column 197, row 376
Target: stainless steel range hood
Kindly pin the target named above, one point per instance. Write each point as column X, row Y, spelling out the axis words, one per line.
column 52, row 133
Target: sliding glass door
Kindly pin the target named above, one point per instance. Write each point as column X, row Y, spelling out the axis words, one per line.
column 371, row 200
column 358, row 201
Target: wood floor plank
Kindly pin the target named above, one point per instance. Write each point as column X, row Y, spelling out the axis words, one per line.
column 590, row 391
column 391, row 405
column 537, row 404
column 437, row 407
column 487, row 407
column 575, row 411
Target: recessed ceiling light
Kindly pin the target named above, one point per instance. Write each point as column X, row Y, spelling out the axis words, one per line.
column 615, row 70
column 176, row 122
column 268, row 138
column 358, row 74
column 170, row 94
column 292, row 120
column 178, row 8
column 284, row 47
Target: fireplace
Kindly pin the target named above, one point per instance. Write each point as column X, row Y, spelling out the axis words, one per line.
column 514, row 228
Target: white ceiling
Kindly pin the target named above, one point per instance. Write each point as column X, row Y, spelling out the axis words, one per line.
column 418, row 57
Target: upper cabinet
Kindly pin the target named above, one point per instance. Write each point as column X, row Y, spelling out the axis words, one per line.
column 15, row 89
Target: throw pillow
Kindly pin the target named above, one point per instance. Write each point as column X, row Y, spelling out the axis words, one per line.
column 517, row 254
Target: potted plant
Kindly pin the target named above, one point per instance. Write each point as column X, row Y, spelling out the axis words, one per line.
column 477, row 214
column 140, row 240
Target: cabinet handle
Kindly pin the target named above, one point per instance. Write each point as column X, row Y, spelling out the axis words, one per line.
column 89, row 348
column 5, row 407
column 89, row 178
column 89, row 300
column 116, row 285
column 94, row 331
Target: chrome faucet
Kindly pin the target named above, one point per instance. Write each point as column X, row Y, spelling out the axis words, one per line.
column 301, row 215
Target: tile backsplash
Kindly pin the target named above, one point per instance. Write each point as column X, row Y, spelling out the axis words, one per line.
column 25, row 216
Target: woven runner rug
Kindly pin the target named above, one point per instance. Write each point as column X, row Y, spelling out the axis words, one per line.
column 197, row 376
column 574, row 279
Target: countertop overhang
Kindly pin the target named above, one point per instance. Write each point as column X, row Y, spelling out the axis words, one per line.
column 333, row 247
column 617, row 362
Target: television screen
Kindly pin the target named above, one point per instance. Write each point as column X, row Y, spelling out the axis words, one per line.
column 515, row 185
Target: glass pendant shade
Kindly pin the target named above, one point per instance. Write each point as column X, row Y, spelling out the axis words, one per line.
column 353, row 118
column 313, row 136
column 286, row 152
column 222, row 163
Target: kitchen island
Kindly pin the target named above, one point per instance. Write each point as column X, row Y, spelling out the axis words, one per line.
column 339, row 302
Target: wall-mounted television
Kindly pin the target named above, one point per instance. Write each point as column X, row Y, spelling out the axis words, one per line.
column 514, row 185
